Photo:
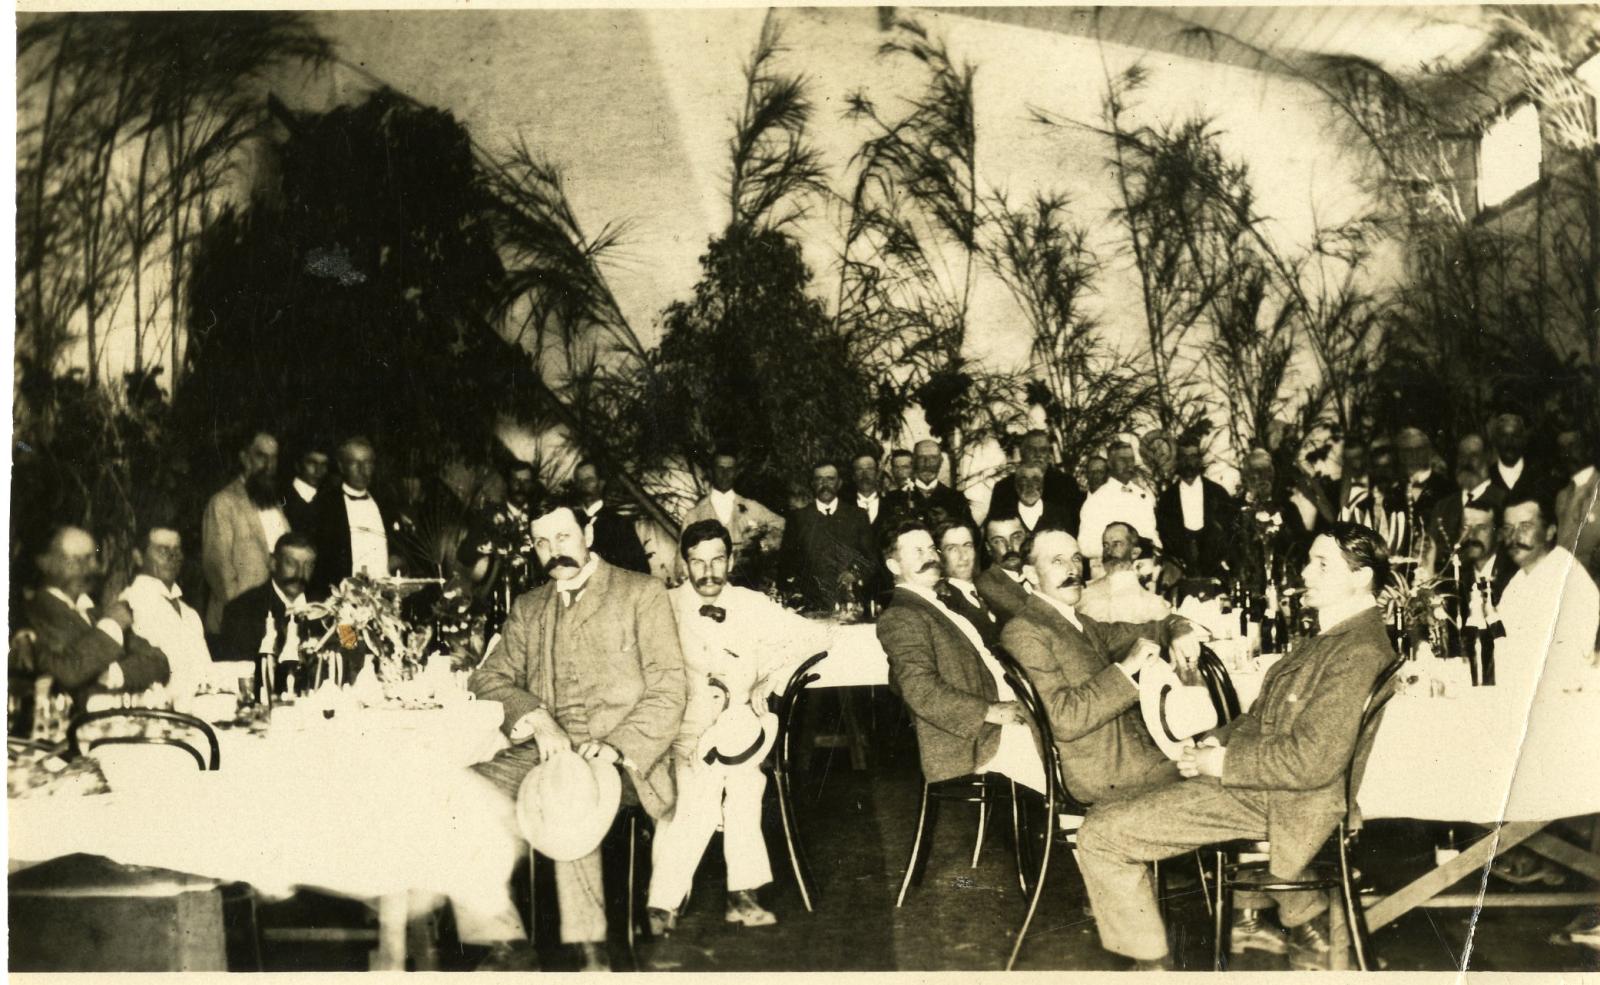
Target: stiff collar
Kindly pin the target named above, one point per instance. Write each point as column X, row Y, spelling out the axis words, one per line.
column 154, row 584
column 1067, row 612
column 1348, row 618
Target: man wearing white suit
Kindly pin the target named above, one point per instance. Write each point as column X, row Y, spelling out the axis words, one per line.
column 748, row 522
column 738, row 647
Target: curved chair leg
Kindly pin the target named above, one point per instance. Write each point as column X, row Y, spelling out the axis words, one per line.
column 791, row 839
column 983, row 822
column 916, row 847
column 1354, row 915
column 1205, row 883
column 1016, row 840
column 1219, row 929
column 633, row 852
column 1039, row 880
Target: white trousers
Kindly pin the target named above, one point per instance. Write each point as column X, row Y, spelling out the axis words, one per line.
column 1017, row 758
column 708, row 796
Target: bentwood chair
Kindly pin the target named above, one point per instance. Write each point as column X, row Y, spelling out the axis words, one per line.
column 783, row 768
column 1249, row 869
column 144, row 726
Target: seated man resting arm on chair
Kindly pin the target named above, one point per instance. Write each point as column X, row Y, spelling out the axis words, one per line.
column 1276, row 772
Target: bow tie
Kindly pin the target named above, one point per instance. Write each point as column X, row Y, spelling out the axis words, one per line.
column 714, row 612
column 362, row 496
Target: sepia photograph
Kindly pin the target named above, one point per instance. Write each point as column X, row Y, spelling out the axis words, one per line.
column 804, row 489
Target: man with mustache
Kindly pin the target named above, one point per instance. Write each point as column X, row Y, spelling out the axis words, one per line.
column 352, row 523
column 827, row 545
column 242, row 521
column 246, row 631
column 1005, row 585
column 751, row 525
column 615, row 536
column 1550, row 608
column 901, row 465
column 1508, row 431
column 1445, row 520
column 926, row 496
column 1036, row 487
column 1122, row 498
column 1117, row 595
column 738, row 647
column 1193, row 517
column 967, row 718
column 1084, row 671
column 589, row 661
column 1276, row 772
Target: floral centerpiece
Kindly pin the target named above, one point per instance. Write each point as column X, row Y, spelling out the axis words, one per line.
column 363, row 615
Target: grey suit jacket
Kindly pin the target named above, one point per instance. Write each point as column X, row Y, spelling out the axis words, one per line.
column 1093, row 706
column 941, row 678
column 1296, row 740
column 1004, row 595
column 233, row 549
column 1578, row 522
column 623, row 622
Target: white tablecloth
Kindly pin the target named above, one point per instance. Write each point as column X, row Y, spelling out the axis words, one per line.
column 363, row 805
column 855, row 658
column 1483, row 756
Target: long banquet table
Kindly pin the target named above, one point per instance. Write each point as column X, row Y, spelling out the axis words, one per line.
column 373, row 804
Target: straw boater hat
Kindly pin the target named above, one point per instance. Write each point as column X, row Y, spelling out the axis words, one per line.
column 1173, row 711
column 739, row 735
column 566, row 805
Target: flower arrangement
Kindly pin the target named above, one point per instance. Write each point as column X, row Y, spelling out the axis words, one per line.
column 1420, row 605
column 364, row 612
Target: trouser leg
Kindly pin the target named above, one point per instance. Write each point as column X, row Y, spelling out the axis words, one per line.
column 1117, row 840
column 581, row 897
column 743, row 847
column 681, row 841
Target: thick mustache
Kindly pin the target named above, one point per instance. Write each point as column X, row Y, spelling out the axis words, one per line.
column 708, row 580
column 557, row 561
column 930, row 566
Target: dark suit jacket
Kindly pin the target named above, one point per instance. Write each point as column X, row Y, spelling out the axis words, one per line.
column 941, row 502
column 75, row 653
column 985, row 620
column 244, row 623
column 302, row 516
column 1093, row 706
column 1444, row 520
column 1296, row 740
column 332, row 537
column 1004, row 595
column 817, row 549
column 634, row 692
column 617, row 541
column 1203, row 553
column 1061, row 495
column 934, row 668
column 1533, row 478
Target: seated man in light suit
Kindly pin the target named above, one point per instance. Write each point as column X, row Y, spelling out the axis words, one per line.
column 1084, row 672
column 967, row 718
column 590, row 661
column 738, row 647
column 1276, row 772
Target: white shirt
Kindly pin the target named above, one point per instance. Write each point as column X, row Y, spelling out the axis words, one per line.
column 723, row 503
column 1509, row 474
column 305, row 490
column 969, row 631
column 1116, row 502
column 369, row 542
column 1118, row 597
column 1468, row 495
column 177, row 632
column 298, row 602
column 1030, row 514
column 869, row 504
column 826, row 509
column 1551, row 614
column 1192, row 497
column 763, row 637
column 924, row 488
column 1587, row 473
column 273, row 525
column 967, row 589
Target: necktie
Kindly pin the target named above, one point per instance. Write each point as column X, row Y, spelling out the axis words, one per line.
column 176, row 605
column 568, row 598
column 715, row 613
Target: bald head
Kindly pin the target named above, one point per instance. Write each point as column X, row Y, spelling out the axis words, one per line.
column 69, row 561
column 1058, row 563
column 927, row 458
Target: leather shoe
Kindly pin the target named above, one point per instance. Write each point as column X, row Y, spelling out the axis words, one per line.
column 1308, row 947
column 592, row 956
column 1252, row 933
column 510, row 956
column 743, row 909
column 662, row 922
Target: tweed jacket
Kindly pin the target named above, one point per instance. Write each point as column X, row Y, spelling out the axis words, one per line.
column 940, row 676
column 1295, row 742
column 234, row 552
column 1578, row 522
column 76, row 653
column 1005, row 595
column 1093, row 706
column 623, row 622
column 751, row 522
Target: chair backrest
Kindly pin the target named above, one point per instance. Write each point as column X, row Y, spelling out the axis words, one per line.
column 1219, row 684
column 1022, row 685
column 147, row 729
column 1366, row 734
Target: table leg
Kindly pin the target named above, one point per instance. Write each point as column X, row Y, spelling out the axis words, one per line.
column 391, row 951
column 1560, row 851
column 1477, row 856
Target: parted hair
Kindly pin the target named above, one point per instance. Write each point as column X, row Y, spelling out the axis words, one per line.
column 701, row 531
column 1362, row 547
